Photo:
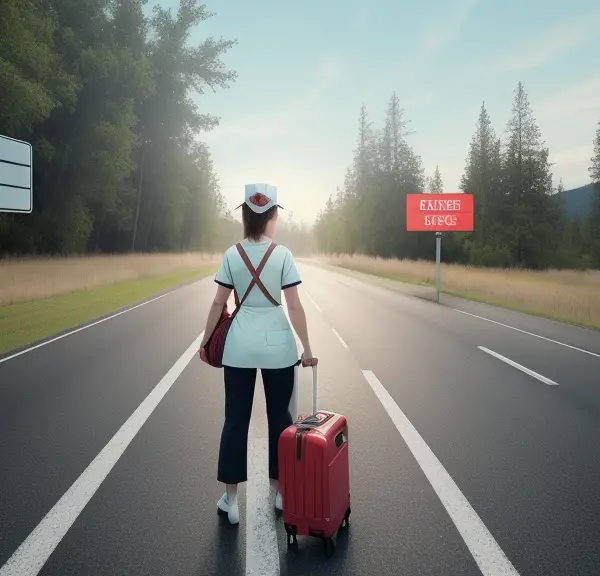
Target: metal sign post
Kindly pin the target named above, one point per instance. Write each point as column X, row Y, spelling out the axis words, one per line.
column 438, row 265
column 16, row 181
column 439, row 213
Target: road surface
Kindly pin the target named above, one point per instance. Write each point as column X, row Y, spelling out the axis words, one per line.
column 473, row 444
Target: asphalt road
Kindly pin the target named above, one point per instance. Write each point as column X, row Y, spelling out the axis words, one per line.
column 462, row 462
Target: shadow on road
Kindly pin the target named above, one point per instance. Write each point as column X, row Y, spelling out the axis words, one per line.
column 225, row 557
column 308, row 556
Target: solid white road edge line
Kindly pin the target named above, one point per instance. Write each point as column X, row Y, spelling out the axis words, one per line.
column 485, row 550
column 46, row 342
column 529, row 333
column 33, row 553
column 312, row 300
column 262, row 551
column 519, row 366
column 340, row 338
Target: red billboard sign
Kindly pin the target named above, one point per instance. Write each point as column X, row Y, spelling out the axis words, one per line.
column 439, row 212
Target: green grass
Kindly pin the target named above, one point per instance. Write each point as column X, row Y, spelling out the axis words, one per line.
column 27, row 322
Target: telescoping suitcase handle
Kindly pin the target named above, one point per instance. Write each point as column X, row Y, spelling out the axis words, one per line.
column 314, row 420
column 315, row 373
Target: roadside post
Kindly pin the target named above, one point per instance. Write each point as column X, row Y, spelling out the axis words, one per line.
column 438, row 265
column 16, row 178
column 439, row 213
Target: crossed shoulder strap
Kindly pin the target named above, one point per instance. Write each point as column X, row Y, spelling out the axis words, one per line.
column 256, row 274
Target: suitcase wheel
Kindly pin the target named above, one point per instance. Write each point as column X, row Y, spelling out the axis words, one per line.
column 330, row 543
column 329, row 546
column 291, row 535
column 346, row 520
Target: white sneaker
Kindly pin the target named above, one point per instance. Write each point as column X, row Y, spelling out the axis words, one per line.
column 279, row 501
column 229, row 507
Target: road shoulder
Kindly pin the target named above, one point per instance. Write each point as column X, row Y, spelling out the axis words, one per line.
column 581, row 337
column 27, row 324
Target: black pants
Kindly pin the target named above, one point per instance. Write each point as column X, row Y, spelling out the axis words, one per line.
column 239, row 396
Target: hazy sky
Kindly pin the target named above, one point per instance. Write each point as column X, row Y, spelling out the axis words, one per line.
column 305, row 68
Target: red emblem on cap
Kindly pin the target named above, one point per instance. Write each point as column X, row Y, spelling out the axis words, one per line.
column 259, row 199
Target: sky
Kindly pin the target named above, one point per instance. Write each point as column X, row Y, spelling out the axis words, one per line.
column 304, row 69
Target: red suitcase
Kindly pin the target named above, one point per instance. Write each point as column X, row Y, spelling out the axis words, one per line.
column 314, row 478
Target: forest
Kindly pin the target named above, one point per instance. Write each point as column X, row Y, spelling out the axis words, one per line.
column 108, row 97
column 520, row 220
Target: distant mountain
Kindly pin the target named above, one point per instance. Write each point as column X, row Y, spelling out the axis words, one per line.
column 578, row 201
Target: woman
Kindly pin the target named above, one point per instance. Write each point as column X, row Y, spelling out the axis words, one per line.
column 259, row 337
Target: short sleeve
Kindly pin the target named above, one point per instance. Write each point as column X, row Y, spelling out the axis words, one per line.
column 223, row 276
column 289, row 275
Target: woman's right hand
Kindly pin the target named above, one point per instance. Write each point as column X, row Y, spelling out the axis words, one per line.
column 308, row 359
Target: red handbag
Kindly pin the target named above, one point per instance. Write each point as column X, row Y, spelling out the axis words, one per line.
column 215, row 345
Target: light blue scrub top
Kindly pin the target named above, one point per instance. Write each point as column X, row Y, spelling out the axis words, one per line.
column 260, row 335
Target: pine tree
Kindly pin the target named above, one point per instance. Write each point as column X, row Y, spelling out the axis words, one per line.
column 386, row 209
column 528, row 181
column 594, row 169
column 369, row 213
column 482, row 179
column 364, row 155
column 359, row 211
column 570, row 231
column 401, row 173
column 435, row 184
column 594, row 220
column 392, row 142
column 325, row 227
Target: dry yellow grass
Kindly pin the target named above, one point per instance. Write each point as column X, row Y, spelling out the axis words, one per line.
column 566, row 295
column 35, row 278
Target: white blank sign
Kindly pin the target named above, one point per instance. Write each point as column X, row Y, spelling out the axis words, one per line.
column 16, row 186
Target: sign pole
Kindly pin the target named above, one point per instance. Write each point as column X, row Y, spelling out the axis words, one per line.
column 439, row 213
column 438, row 264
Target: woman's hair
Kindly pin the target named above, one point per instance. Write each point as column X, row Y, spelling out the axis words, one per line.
column 255, row 224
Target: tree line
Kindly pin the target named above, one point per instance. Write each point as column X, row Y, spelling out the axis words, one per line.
column 520, row 220
column 297, row 236
column 106, row 96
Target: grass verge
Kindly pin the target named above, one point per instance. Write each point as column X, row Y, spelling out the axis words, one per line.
column 25, row 279
column 23, row 323
column 565, row 295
